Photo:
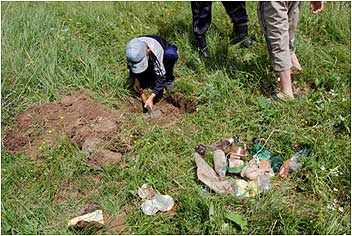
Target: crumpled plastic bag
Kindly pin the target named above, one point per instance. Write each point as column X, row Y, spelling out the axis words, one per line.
column 208, row 176
column 253, row 170
column 153, row 201
column 246, row 189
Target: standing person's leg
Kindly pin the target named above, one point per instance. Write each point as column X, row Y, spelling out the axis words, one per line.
column 273, row 18
column 201, row 15
column 293, row 18
column 238, row 14
column 170, row 59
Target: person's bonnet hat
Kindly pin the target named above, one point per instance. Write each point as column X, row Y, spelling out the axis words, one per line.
column 136, row 53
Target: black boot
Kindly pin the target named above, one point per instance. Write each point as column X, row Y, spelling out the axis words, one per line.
column 240, row 35
column 202, row 45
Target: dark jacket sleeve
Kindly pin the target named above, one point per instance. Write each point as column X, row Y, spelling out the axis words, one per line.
column 160, row 76
column 159, row 85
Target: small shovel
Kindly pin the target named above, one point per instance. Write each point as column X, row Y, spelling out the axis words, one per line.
column 148, row 112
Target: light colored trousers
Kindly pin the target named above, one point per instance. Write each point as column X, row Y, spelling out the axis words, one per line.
column 278, row 21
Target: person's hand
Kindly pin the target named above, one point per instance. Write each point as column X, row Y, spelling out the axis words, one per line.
column 149, row 102
column 316, row 6
column 137, row 85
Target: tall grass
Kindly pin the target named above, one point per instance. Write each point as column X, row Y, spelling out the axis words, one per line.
column 54, row 48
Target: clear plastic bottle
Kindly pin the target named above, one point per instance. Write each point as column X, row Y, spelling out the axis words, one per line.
column 220, row 163
column 225, row 143
column 264, row 182
column 296, row 164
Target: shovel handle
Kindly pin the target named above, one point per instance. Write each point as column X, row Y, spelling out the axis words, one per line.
column 149, row 109
column 144, row 99
column 143, row 96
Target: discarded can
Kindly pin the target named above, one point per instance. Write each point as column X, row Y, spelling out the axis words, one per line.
column 92, row 219
column 235, row 165
column 238, row 152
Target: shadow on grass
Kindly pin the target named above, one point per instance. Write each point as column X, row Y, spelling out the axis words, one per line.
column 221, row 58
column 170, row 30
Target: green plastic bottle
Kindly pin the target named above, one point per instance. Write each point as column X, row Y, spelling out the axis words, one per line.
column 276, row 162
column 263, row 154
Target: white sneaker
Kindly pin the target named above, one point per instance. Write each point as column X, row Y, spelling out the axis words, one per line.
column 170, row 85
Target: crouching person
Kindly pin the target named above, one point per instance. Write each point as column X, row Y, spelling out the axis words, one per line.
column 151, row 60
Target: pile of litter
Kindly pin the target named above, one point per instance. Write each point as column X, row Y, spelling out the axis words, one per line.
column 253, row 168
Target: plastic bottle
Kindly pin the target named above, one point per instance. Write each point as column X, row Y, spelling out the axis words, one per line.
column 263, row 154
column 227, row 142
column 220, row 163
column 276, row 162
column 294, row 163
column 264, row 182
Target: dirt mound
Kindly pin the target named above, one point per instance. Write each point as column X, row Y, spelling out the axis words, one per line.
column 89, row 125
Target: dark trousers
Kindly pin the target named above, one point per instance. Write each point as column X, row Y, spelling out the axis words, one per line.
column 170, row 59
column 201, row 12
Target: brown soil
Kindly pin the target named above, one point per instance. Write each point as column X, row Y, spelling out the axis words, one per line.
column 104, row 157
column 116, row 225
column 89, row 125
column 185, row 105
column 172, row 107
column 73, row 189
column 170, row 212
column 113, row 225
column 94, row 128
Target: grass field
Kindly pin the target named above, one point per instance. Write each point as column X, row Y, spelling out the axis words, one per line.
column 53, row 48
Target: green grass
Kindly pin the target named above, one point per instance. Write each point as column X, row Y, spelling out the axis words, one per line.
column 51, row 49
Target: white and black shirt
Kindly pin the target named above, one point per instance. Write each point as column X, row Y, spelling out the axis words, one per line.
column 156, row 66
